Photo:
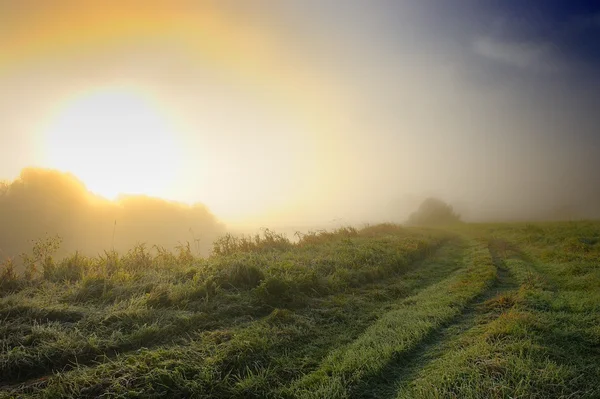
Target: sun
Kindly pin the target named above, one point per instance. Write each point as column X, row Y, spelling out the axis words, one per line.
column 116, row 140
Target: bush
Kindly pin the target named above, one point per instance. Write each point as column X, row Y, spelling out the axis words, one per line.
column 433, row 212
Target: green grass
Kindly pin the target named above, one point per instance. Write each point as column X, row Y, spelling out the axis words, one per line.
column 474, row 311
column 544, row 341
column 399, row 330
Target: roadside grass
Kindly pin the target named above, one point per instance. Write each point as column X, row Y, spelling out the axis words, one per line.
column 545, row 342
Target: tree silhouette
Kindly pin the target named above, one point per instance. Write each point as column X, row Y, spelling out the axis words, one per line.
column 434, row 211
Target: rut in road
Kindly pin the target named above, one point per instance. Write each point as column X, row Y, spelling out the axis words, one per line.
column 398, row 374
column 436, row 266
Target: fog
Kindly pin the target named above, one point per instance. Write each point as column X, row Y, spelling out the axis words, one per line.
column 295, row 115
column 44, row 203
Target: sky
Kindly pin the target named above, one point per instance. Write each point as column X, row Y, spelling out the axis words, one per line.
column 309, row 111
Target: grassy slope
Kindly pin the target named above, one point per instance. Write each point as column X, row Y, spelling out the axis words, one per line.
column 219, row 321
column 496, row 311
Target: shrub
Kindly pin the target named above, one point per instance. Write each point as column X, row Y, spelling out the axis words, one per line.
column 433, row 212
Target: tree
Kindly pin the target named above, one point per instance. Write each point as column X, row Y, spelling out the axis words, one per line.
column 4, row 185
column 434, row 211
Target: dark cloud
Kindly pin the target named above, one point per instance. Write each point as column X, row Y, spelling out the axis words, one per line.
column 572, row 27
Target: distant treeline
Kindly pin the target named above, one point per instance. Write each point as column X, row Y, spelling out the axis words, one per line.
column 46, row 202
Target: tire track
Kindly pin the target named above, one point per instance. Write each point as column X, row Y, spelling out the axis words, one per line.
column 403, row 369
column 355, row 368
column 424, row 272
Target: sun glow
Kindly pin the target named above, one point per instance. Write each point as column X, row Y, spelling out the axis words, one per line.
column 117, row 141
column 242, row 125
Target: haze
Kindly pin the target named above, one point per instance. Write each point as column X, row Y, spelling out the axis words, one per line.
column 303, row 112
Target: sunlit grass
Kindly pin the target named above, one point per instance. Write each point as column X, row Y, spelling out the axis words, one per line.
column 384, row 311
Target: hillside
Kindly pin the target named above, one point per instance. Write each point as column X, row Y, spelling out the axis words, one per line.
column 473, row 311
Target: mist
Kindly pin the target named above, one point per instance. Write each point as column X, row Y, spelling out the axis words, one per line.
column 45, row 203
column 308, row 114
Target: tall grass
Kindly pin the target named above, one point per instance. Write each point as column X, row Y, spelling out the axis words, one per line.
column 123, row 300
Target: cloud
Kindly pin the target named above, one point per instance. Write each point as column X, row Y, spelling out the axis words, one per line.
column 524, row 55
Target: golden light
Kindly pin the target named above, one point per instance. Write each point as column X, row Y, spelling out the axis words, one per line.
column 241, row 125
column 116, row 141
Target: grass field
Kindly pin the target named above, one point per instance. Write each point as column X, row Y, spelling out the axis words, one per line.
column 472, row 311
